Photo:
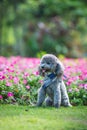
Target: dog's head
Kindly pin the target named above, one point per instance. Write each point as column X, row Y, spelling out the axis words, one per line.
column 50, row 63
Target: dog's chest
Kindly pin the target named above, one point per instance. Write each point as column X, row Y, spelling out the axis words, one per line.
column 49, row 91
column 50, row 85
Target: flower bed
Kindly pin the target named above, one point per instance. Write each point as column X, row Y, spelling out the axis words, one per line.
column 19, row 80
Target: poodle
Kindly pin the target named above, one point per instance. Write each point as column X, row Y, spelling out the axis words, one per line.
column 53, row 91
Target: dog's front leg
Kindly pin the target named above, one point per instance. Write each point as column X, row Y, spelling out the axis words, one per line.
column 57, row 96
column 41, row 96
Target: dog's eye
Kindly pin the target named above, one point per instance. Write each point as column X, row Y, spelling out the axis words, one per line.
column 48, row 63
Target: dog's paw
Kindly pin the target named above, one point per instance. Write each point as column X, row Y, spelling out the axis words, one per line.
column 56, row 105
column 68, row 105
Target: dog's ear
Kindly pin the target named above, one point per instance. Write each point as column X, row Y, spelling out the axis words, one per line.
column 59, row 69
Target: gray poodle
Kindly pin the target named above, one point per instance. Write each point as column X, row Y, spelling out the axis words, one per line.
column 53, row 86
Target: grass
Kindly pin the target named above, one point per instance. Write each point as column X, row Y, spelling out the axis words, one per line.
column 14, row 117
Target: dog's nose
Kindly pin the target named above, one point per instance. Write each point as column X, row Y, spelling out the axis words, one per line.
column 42, row 66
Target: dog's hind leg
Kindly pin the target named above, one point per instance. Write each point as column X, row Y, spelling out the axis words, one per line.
column 48, row 101
column 64, row 96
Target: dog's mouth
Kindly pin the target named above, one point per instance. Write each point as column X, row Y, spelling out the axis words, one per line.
column 45, row 71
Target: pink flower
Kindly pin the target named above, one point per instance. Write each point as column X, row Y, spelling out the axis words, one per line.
column 41, row 81
column 26, row 74
column 2, row 77
column 16, row 80
column 8, row 84
column 70, row 90
column 76, row 89
column 85, row 86
column 81, row 85
column 28, row 87
column 9, row 70
column 36, row 73
column 1, row 97
column 81, row 77
column 68, row 83
column 24, row 81
column 10, row 94
column 10, row 77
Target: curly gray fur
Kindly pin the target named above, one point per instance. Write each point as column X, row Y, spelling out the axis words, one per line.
column 56, row 92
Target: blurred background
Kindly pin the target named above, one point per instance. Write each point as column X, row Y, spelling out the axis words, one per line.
column 34, row 27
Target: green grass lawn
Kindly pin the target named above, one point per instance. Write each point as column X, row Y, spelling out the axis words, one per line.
column 14, row 117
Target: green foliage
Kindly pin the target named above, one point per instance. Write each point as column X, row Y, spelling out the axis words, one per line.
column 40, row 54
column 34, row 82
column 22, row 94
column 63, row 29
column 78, row 97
